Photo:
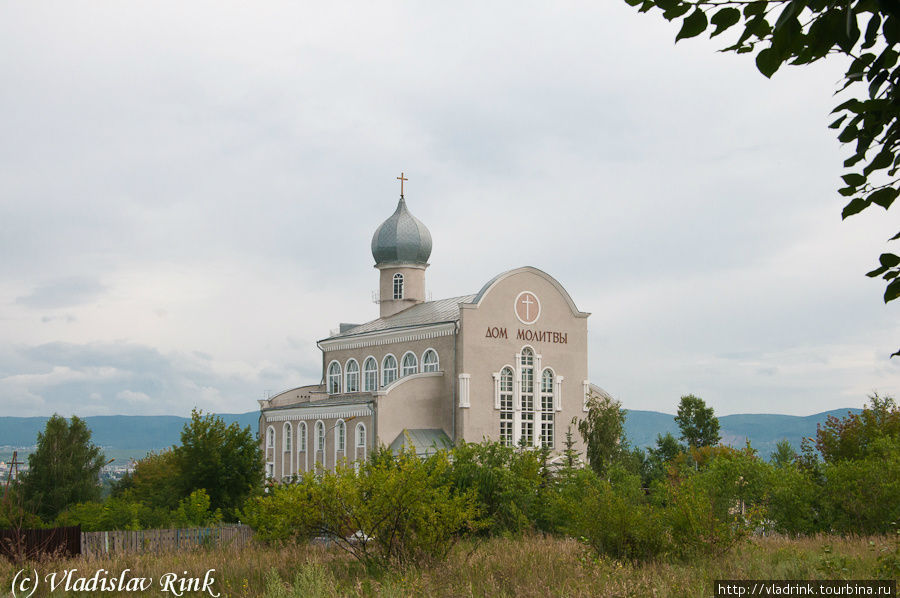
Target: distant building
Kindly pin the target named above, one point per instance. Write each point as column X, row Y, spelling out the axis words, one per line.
column 507, row 363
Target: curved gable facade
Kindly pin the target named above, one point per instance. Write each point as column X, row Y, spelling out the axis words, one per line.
column 520, row 310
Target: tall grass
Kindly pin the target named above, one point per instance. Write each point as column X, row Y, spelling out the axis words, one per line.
column 526, row 566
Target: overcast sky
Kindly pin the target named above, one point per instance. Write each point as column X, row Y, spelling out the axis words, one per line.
column 188, row 191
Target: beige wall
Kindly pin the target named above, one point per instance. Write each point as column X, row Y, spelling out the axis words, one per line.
column 481, row 357
column 444, row 345
column 415, row 402
column 413, row 288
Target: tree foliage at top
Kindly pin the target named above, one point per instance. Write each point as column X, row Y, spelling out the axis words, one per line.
column 226, row 461
column 155, row 480
column 698, row 423
column 603, row 431
column 63, row 470
column 797, row 32
column 857, row 435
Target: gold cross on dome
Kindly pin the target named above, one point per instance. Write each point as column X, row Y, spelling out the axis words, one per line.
column 401, row 178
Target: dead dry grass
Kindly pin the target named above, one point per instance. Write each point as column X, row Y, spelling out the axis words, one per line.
column 530, row 566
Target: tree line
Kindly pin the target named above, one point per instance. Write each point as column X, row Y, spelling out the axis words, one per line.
column 684, row 497
column 204, row 480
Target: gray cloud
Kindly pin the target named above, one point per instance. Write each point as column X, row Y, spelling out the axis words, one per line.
column 214, row 180
column 63, row 292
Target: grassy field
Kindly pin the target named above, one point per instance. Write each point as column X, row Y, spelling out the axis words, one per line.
column 530, row 566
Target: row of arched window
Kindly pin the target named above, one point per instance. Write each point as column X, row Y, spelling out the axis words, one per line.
column 347, row 379
column 318, row 448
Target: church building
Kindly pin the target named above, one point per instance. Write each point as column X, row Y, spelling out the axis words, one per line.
column 508, row 363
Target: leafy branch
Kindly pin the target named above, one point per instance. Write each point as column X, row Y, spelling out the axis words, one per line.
column 867, row 33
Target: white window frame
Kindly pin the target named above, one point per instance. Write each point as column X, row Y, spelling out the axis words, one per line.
column 334, row 378
column 287, row 434
column 384, row 370
column 507, row 412
column 302, row 438
column 366, row 387
column 320, row 443
column 340, row 443
column 287, row 454
column 431, row 367
column 397, row 290
column 548, row 415
column 526, row 399
column 351, row 387
column 359, row 441
column 414, row 367
column 270, row 450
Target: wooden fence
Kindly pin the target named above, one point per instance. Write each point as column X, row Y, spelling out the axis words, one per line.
column 17, row 544
column 163, row 540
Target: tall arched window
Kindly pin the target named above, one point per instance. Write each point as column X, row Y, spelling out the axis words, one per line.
column 287, row 459
column 334, row 378
column 370, row 374
column 506, row 406
column 301, row 437
column 410, row 364
column 361, row 436
column 527, row 389
column 320, row 436
column 340, row 436
column 352, row 376
column 398, row 286
column 270, row 452
column 547, row 409
column 288, row 433
column 430, row 361
column 302, row 462
column 388, row 370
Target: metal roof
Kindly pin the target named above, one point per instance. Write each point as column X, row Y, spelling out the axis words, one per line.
column 401, row 239
column 422, row 314
column 424, row 442
column 331, row 401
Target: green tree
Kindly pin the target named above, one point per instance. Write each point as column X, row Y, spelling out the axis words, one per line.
column 797, row 32
column 784, row 454
column 63, row 470
column 658, row 457
column 226, row 461
column 853, row 436
column 603, row 432
column 698, row 423
column 155, row 480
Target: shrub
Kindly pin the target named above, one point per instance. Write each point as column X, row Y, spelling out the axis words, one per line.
column 507, row 483
column 712, row 509
column 860, row 495
column 287, row 513
column 394, row 512
column 794, row 504
column 612, row 523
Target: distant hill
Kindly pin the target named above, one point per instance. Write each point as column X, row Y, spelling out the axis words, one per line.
column 764, row 430
column 125, row 436
column 120, row 435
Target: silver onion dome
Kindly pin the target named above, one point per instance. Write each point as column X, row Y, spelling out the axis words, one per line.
column 401, row 239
